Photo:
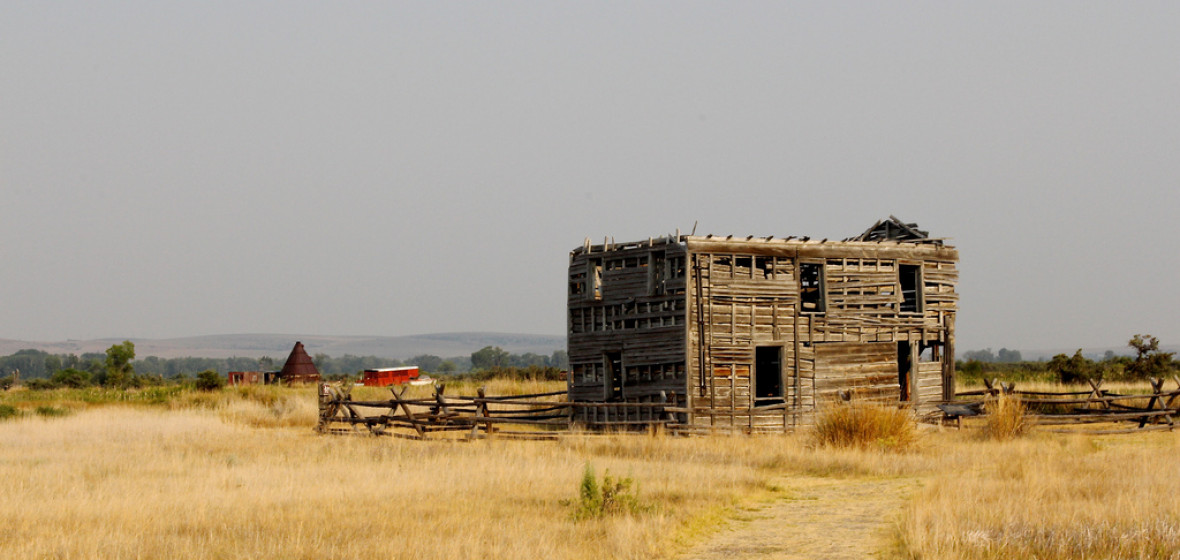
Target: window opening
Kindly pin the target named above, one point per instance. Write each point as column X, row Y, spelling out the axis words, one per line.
column 811, row 287
column 743, row 265
column 764, row 266
column 658, row 274
column 594, row 279
column 614, row 375
column 910, row 278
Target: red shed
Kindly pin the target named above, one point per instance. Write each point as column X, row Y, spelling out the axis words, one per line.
column 390, row 376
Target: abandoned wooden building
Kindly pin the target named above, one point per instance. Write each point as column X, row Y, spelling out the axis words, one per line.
column 758, row 333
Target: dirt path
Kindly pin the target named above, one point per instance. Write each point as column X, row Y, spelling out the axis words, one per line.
column 818, row 518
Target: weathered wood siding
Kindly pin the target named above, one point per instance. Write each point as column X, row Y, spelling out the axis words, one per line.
column 869, row 370
column 688, row 315
column 747, row 293
column 628, row 302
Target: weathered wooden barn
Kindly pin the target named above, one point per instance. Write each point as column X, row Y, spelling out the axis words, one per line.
column 757, row 333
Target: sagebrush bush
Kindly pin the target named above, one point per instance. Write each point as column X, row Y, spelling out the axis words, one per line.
column 865, row 426
column 1006, row 418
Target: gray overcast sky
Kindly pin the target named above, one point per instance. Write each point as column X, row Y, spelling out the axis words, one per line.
column 185, row 168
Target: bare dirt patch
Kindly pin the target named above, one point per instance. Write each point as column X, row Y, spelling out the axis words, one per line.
column 826, row 518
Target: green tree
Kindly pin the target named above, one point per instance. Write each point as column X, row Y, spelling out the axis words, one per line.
column 426, row 362
column 489, row 357
column 1072, row 369
column 53, row 363
column 119, row 371
column 560, row 359
column 1149, row 361
column 98, row 371
column 1008, row 356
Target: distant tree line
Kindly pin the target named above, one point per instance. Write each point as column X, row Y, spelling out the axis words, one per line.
column 490, row 357
column 1004, row 356
column 1147, row 361
column 117, row 367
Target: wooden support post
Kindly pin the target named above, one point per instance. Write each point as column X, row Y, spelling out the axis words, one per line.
column 1157, row 388
column 1172, row 398
column 398, row 402
column 1097, row 393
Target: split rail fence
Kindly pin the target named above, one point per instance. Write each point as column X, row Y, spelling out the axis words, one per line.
column 535, row 416
column 1154, row 410
column 548, row 415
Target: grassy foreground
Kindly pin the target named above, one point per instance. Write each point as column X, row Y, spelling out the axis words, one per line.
column 240, row 474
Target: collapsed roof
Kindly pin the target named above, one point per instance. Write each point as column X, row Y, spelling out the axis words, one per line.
column 893, row 229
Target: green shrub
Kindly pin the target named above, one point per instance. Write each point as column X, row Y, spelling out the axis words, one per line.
column 52, row 412
column 209, row 380
column 613, row 496
column 865, row 426
column 8, row 411
column 40, row 385
column 70, row 377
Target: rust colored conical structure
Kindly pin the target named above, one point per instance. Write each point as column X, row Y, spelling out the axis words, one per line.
column 299, row 367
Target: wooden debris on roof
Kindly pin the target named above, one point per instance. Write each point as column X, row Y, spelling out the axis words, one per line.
column 893, row 229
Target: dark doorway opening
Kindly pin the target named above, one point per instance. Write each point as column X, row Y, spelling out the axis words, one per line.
column 768, row 375
column 614, row 376
column 905, row 364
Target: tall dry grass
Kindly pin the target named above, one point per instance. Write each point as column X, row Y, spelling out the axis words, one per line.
column 865, row 426
column 1006, row 418
column 1060, row 497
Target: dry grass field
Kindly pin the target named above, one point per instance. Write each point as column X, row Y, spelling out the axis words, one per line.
column 240, row 474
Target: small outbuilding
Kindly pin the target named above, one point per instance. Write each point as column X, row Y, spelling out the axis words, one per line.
column 382, row 377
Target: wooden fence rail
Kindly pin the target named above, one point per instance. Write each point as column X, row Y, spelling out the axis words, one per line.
column 542, row 415
column 1156, row 409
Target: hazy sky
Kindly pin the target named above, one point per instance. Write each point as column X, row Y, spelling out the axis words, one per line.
column 185, row 168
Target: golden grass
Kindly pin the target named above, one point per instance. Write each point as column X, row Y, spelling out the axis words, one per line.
column 124, row 482
column 240, row 474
